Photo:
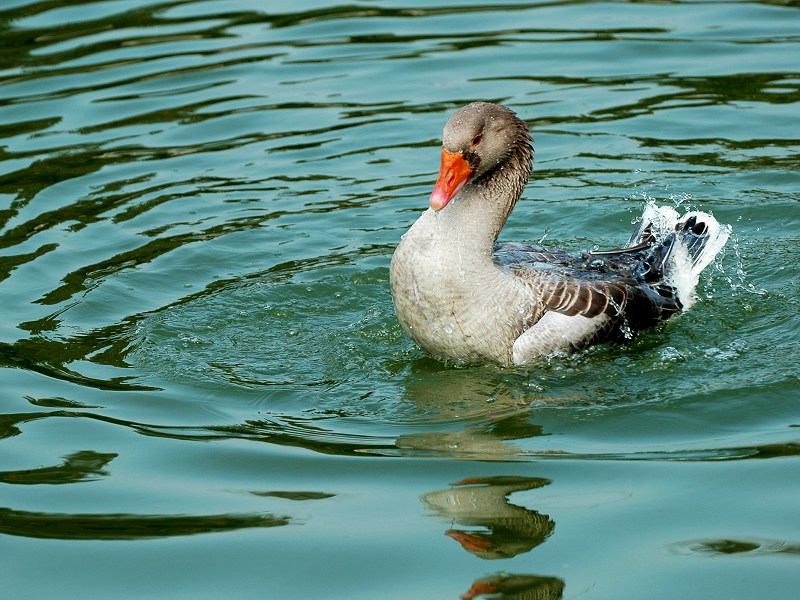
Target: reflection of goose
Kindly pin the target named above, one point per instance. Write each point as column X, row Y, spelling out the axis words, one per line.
column 486, row 441
column 431, row 386
column 483, row 502
column 461, row 296
column 506, row 586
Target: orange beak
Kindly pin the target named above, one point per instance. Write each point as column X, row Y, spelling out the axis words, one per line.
column 479, row 588
column 470, row 543
column 453, row 174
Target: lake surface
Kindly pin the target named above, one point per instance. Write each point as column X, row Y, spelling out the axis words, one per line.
column 204, row 391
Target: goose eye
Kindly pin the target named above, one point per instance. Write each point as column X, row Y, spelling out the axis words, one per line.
column 477, row 139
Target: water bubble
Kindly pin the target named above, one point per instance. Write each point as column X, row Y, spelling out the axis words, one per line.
column 671, row 354
column 188, row 340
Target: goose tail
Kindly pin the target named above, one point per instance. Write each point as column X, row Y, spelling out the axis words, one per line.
column 685, row 245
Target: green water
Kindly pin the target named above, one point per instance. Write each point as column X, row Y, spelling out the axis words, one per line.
column 204, row 391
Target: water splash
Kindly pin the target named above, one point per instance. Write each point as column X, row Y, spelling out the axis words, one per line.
column 737, row 278
column 544, row 235
column 624, row 326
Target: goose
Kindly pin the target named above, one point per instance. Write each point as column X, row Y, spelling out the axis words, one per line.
column 464, row 297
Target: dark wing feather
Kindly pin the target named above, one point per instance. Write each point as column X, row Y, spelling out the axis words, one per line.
column 574, row 296
column 625, row 284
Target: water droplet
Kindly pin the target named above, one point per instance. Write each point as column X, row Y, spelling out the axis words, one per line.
column 670, row 354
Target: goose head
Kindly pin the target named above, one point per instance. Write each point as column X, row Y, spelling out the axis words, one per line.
column 479, row 140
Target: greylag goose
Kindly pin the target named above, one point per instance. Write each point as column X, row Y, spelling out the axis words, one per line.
column 462, row 296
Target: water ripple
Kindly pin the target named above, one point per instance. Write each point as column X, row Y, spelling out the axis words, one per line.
column 198, row 203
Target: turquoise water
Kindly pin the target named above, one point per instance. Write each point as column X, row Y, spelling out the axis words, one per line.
column 203, row 387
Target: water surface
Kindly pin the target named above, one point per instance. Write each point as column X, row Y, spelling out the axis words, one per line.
column 204, row 389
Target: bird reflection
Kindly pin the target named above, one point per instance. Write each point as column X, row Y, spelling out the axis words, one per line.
column 508, row 529
column 487, row 440
column 471, row 392
column 508, row 586
column 495, row 402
